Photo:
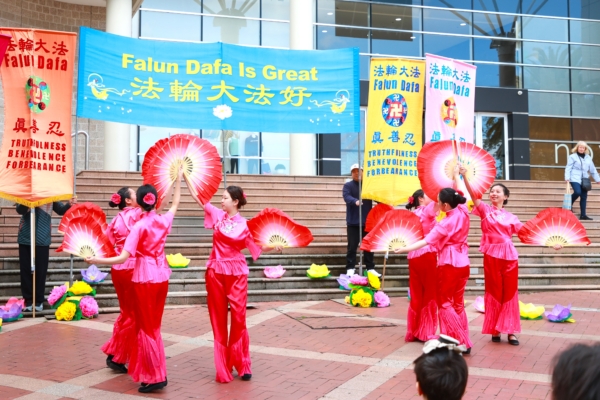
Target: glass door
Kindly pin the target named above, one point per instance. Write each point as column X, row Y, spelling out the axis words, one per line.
column 491, row 134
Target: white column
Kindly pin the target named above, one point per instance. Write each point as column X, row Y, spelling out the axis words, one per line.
column 303, row 147
column 116, row 135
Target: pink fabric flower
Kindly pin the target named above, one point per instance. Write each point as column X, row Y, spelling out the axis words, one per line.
column 359, row 280
column 150, row 199
column 410, row 200
column 381, row 299
column 56, row 294
column 274, row 272
column 116, row 198
column 11, row 301
column 88, row 306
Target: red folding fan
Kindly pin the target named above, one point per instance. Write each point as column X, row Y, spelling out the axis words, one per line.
column 272, row 227
column 554, row 226
column 200, row 160
column 397, row 229
column 375, row 215
column 91, row 210
column 436, row 162
column 84, row 237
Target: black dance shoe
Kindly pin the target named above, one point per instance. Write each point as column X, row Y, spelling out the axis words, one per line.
column 585, row 218
column 514, row 341
column 152, row 387
column 246, row 377
column 496, row 339
column 121, row 368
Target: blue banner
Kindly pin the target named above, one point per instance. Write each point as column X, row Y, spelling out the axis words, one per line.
column 217, row 85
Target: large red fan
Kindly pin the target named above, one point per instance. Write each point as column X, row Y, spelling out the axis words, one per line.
column 397, row 229
column 436, row 162
column 272, row 227
column 375, row 215
column 200, row 160
column 84, row 237
column 91, row 210
column 554, row 226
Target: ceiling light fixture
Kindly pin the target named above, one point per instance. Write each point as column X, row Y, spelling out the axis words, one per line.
column 398, row 19
column 463, row 24
column 324, row 31
column 329, row 13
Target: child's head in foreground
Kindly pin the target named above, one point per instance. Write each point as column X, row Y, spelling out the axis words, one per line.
column 441, row 370
column 576, row 373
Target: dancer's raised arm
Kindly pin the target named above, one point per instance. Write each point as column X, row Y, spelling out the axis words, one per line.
column 177, row 194
column 463, row 173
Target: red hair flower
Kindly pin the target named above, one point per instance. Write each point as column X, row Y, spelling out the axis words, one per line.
column 116, row 198
column 410, row 200
column 244, row 194
column 149, row 199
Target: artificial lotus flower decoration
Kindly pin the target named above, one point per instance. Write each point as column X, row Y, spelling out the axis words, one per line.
column 359, row 280
column 274, row 272
column 560, row 314
column 381, row 299
column 317, row 271
column 408, row 294
column 362, row 297
column 344, row 281
column 93, row 275
column 12, row 311
column 80, row 288
column 479, row 304
column 373, row 280
column 530, row 311
column 177, row 260
column 58, row 295
column 88, row 306
column 11, row 301
column 66, row 312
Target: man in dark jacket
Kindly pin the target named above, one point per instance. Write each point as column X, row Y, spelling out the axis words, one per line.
column 43, row 237
column 351, row 197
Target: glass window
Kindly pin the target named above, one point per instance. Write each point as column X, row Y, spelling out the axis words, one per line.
column 342, row 13
column 395, row 17
column 495, row 24
column 554, row 8
column 496, row 50
column 551, row 104
column 148, row 135
column 585, row 31
column 276, row 9
column 276, row 154
column 329, row 37
column 173, row 5
column 447, row 21
column 585, row 81
column 587, row 9
column 544, row 153
column 547, row 174
column 235, row 8
column 545, row 53
column 466, row 4
column 448, row 46
column 585, row 56
column 275, row 34
column 545, row 29
column 497, row 75
column 546, row 78
column 586, row 105
column 364, row 63
column 544, row 128
column 349, row 144
column 170, row 26
column 231, row 30
column 509, row 6
column 586, row 129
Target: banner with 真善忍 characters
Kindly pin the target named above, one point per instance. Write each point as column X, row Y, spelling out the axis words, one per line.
column 450, row 100
column 394, row 130
column 36, row 165
column 217, row 86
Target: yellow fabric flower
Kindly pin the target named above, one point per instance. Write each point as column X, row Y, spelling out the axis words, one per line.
column 0, row 323
column 530, row 311
column 80, row 287
column 374, row 280
column 318, row 271
column 177, row 260
column 362, row 299
column 66, row 311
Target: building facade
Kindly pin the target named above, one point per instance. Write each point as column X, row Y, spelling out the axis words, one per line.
column 538, row 69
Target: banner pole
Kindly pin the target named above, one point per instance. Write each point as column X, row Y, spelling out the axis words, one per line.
column 74, row 189
column 223, row 158
column 32, row 253
column 360, row 228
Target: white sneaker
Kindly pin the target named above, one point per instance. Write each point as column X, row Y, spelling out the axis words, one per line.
column 377, row 274
column 351, row 272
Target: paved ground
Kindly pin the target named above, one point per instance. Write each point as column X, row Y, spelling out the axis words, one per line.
column 300, row 350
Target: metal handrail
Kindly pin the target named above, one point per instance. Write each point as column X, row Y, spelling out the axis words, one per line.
column 87, row 149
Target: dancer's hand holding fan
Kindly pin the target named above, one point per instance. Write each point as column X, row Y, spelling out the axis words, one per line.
column 200, row 161
column 272, row 228
column 85, row 237
column 437, row 161
column 554, row 227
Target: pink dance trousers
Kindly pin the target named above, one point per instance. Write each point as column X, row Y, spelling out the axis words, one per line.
column 501, row 296
column 422, row 309
column 148, row 363
column 451, row 302
column 123, row 338
column 231, row 350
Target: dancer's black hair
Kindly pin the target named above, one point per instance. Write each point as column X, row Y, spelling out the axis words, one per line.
column 125, row 194
column 237, row 193
column 452, row 197
column 415, row 199
column 504, row 189
column 142, row 192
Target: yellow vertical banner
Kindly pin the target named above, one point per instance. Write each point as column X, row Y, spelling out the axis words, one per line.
column 394, row 129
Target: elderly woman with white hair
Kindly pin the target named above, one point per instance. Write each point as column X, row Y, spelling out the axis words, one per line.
column 580, row 167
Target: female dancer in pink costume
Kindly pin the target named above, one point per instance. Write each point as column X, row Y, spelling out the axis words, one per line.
column 123, row 338
column 500, row 263
column 449, row 238
column 146, row 242
column 422, row 269
column 227, row 282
